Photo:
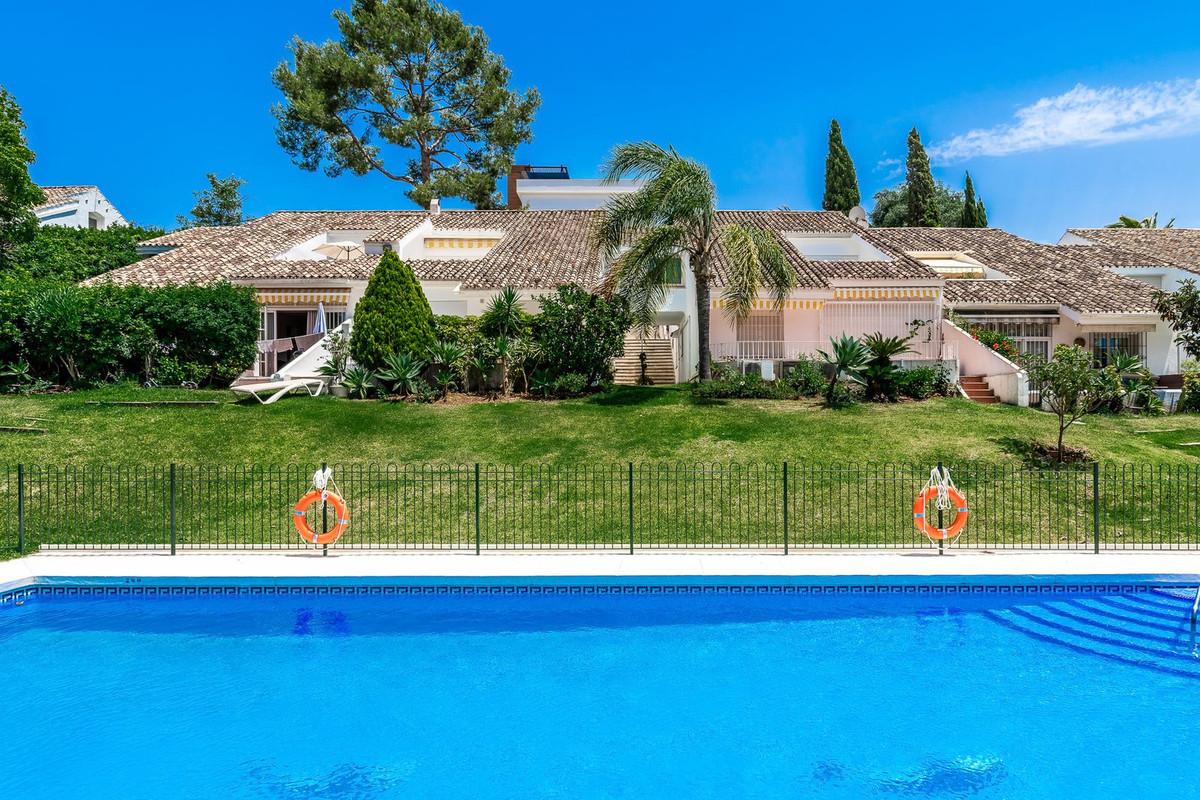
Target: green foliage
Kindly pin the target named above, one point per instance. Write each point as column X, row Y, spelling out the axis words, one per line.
column 449, row 328
column 841, row 184
column 568, row 384
column 338, row 347
column 85, row 335
column 974, row 215
column 921, row 383
column 1189, row 398
column 999, row 342
column 640, row 234
column 1132, row 222
column 218, row 205
column 393, row 315
column 76, row 254
column 1181, row 310
column 18, row 193
column 736, row 386
column 806, row 377
column 400, row 372
column 1069, row 385
column 923, row 211
column 581, row 333
column 891, row 205
column 880, row 374
column 846, row 359
column 504, row 316
column 411, row 76
column 359, row 382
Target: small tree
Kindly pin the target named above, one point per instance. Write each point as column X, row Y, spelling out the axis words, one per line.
column 393, row 315
column 1181, row 310
column 218, row 205
column 411, row 76
column 1070, row 386
column 841, row 184
column 580, row 333
column 18, row 193
column 922, row 208
column 890, row 209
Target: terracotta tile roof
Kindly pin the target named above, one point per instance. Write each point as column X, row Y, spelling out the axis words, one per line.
column 1079, row 277
column 1177, row 247
column 57, row 195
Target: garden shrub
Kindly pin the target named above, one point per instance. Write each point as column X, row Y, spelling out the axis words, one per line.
column 393, row 315
column 998, row 342
column 743, row 387
column 806, row 377
column 1189, row 399
column 578, row 332
column 76, row 254
column 460, row 330
column 921, row 383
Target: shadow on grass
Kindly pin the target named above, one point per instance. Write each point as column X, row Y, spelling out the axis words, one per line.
column 635, row 396
column 1041, row 455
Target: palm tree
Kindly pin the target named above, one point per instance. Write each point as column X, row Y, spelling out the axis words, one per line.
column 1149, row 222
column 674, row 212
column 848, row 356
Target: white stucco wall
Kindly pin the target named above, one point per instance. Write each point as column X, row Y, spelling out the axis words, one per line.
column 78, row 212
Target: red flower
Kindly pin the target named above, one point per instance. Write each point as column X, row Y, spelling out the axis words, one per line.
column 996, row 346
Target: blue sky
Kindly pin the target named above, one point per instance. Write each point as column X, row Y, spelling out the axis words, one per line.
column 1065, row 115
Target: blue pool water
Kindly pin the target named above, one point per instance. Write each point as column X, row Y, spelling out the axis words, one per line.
column 718, row 695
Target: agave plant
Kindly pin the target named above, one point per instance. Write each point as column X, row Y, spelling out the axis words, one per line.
column 504, row 315
column 446, row 354
column 847, row 357
column 359, row 382
column 400, row 372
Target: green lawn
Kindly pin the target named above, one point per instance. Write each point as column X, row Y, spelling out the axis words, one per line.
column 557, row 474
column 631, row 424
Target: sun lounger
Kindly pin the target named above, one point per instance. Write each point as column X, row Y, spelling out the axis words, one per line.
column 277, row 389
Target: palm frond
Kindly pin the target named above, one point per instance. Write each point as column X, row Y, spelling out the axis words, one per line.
column 638, row 160
column 642, row 273
column 754, row 259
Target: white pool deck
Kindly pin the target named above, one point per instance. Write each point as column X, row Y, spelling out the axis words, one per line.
column 1179, row 567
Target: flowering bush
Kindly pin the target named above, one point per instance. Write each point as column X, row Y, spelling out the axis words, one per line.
column 998, row 342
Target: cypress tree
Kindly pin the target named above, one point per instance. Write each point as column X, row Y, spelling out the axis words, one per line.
column 970, row 212
column 980, row 214
column 922, row 208
column 841, row 184
column 393, row 315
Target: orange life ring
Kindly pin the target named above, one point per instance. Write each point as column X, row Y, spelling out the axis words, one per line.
column 341, row 517
column 922, row 523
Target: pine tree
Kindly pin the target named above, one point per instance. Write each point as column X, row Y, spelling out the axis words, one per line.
column 393, row 315
column 841, row 184
column 922, row 208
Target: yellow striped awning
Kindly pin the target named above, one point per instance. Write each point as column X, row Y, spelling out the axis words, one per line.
column 472, row 242
column 303, row 297
column 770, row 305
column 888, row 293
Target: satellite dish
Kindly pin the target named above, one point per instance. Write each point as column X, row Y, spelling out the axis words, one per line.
column 858, row 215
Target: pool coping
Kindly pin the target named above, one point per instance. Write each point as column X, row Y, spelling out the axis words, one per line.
column 835, row 569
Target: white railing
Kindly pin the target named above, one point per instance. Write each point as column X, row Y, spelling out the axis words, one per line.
column 791, row 350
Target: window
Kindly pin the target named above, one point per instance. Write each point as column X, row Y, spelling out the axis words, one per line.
column 1106, row 345
column 760, row 335
column 674, row 271
column 333, row 319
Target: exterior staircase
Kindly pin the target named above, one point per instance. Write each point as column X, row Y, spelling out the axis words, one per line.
column 977, row 389
column 660, row 361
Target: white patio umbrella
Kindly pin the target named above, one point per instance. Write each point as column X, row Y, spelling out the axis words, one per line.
column 340, row 251
column 319, row 325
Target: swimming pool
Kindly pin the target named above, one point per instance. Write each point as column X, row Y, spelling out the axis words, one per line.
column 600, row 688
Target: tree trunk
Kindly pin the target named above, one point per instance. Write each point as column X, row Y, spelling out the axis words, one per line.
column 1062, row 427
column 702, row 321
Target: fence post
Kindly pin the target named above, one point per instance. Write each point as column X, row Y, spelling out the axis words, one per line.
column 20, row 508
column 172, row 483
column 324, row 512
column 785, row 508
column 1095, row 506
column 477, row 508
column 941, row 541
column 630, row 508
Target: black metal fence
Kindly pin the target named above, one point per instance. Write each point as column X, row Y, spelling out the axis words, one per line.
column 634, row 506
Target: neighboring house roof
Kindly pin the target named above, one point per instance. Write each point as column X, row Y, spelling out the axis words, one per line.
column 1176, row 247
column 538, row 249
column 59, row 195
column 1079, row 277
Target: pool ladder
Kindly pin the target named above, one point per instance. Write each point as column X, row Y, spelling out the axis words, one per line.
column 1195, row 607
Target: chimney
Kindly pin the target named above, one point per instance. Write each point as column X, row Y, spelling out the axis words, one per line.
column 435, row 207
column 515, row 172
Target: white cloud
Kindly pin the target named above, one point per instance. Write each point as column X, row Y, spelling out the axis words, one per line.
column 1085, row 116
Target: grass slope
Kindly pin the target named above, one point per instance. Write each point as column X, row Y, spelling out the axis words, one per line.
column 630, row 424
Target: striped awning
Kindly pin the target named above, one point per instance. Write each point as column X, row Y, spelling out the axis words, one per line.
column 770, row 305
column 886, row 293
column 303, row 297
